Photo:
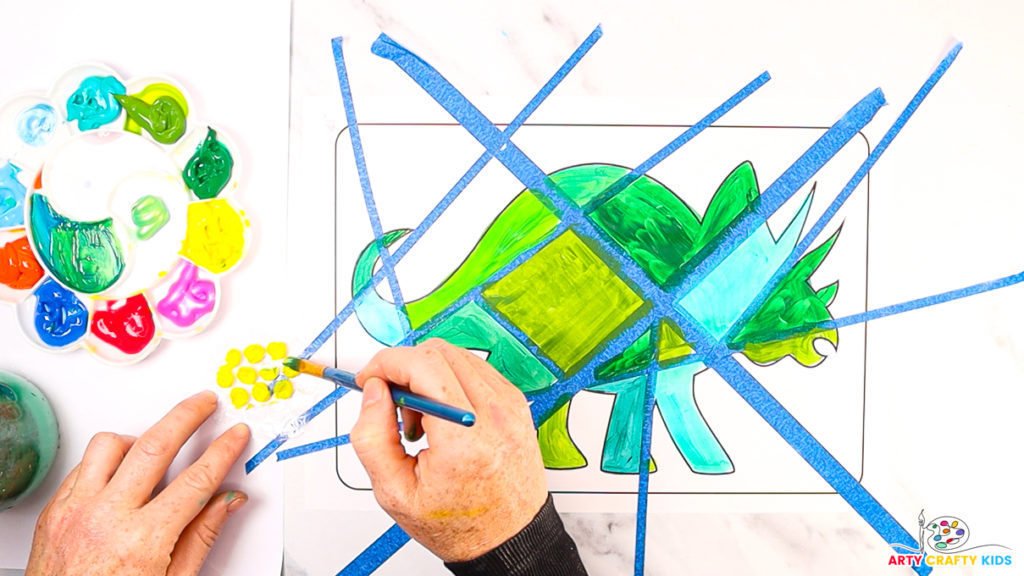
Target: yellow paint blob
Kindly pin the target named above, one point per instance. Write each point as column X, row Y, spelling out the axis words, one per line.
column 254, row 353
column 260, row 392
column 290, row 373
column 239, row 397
column 247, row 374
column 268, row 374
column 224, row 377
column 277, row 350
column 233, row 358
column 215, row 235
column 283, row 389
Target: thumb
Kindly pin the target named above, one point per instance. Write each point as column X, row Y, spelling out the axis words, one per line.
column 378, row 445
column 198, row 537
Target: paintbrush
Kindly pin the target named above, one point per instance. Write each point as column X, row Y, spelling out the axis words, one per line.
column 402, row 397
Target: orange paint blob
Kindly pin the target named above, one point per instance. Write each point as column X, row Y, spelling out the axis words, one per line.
column 18, row 266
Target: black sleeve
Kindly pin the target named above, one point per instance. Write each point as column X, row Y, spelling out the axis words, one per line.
column 543, row 548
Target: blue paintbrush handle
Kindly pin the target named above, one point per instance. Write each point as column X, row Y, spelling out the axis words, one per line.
column 407, row 399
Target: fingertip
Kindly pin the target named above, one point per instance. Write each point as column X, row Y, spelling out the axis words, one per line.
column 373, row 391
column 235, row 501
column 205, row 397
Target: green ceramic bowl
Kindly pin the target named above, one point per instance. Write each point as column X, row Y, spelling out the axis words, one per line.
column 28, row 439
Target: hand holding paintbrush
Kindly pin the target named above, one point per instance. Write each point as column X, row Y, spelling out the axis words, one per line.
column 402, row 397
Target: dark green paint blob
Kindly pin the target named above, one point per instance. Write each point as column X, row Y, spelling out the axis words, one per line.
column 208, row 171
column 84, row 256
column 164, row 119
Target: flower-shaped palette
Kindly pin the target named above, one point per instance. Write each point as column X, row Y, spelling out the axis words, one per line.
column 117, row 220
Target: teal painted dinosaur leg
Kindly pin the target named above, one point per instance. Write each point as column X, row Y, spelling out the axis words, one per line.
column 625, row 426
column 691, row 434
column 472, row 327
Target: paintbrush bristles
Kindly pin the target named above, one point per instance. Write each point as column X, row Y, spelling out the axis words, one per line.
column 304, row 366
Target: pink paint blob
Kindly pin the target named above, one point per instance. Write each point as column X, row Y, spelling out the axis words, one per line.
column 189, row 298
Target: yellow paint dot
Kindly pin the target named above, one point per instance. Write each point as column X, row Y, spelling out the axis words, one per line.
column 268, row 374
column 260, row 392
column 277, row 350
column 247, row 374
column 254, row 353
column 239, row 397
column 290, row 373
column 233, row 358
column 224, row 377
column 284, row 389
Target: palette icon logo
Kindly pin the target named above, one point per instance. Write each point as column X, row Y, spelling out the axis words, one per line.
column 946, row 534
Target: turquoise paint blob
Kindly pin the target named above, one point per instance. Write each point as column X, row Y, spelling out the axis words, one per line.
column 29, row 438
column 93, row 104
column 84, row 256
column 60, row 317
column 12, row 196
column 35, row 125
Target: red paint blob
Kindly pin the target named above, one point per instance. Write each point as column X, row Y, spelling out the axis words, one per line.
column 18, row 266
column 124, row 324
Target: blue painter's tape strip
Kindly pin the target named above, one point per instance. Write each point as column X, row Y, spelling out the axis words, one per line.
column 926, row 301
column 786, row 185
column 293, row 427
column 847, row 190
column 313, row 447
column 376, row 554
column 813, row 452
column 718, row 357
column 364, row 182
column 643, row 488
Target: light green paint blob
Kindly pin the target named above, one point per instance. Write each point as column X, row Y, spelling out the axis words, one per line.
column 84, row 256
column 164, row 119
column 149, row 214
column 566, row 300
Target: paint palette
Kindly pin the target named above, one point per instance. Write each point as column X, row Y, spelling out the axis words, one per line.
column 117, row 220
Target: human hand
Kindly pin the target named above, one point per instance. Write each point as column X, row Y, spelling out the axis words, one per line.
column 473, row 488
column 104, row 518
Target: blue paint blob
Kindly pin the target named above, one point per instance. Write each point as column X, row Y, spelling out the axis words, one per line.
column 12, row 196
column 93, row 104
column 61, row 318
column 35, row 125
